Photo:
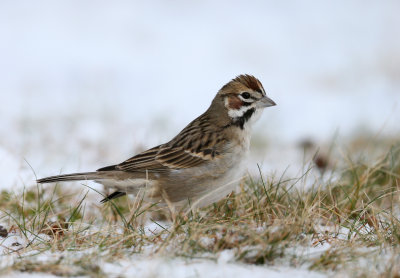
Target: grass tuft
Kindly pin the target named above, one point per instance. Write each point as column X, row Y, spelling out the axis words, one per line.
column 324, row 223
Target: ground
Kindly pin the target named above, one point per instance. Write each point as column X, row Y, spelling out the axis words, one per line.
column 338, row 218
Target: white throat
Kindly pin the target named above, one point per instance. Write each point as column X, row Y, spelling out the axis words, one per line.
column 245, row 116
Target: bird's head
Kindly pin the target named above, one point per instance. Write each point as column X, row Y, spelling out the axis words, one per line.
column 244, row 99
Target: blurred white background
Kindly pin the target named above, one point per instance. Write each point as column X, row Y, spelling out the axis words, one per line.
column 85, row 84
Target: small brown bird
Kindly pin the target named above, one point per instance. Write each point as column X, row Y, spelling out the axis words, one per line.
column 200, row 165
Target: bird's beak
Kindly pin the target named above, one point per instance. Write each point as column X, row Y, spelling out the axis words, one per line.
column 265, row 102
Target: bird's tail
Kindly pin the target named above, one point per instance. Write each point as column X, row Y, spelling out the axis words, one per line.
column 73, row 177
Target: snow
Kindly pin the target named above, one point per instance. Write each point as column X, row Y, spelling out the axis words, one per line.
column 150, row 266
column 9, row 168
column 200, row 268
column 162, row 267
column 115, row 79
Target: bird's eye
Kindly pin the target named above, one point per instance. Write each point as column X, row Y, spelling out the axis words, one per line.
column 245, row 95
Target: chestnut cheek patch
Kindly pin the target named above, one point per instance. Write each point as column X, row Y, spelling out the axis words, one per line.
column 235, row 102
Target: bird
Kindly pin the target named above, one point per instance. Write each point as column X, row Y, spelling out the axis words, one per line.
column 200, row 165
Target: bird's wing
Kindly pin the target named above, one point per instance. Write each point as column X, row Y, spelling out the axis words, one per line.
column 195, row 144
column 163, row 158
column 145, row 161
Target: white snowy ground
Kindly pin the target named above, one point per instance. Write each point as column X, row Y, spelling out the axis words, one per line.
column 87, row 84
column 140, row 266
column 145, row 267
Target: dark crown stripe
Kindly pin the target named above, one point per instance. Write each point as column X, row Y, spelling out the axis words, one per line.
column 250, row 82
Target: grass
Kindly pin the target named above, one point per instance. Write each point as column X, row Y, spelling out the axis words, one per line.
column 344, row 221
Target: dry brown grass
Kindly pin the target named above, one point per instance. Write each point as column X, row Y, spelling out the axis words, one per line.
column 351, row 218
